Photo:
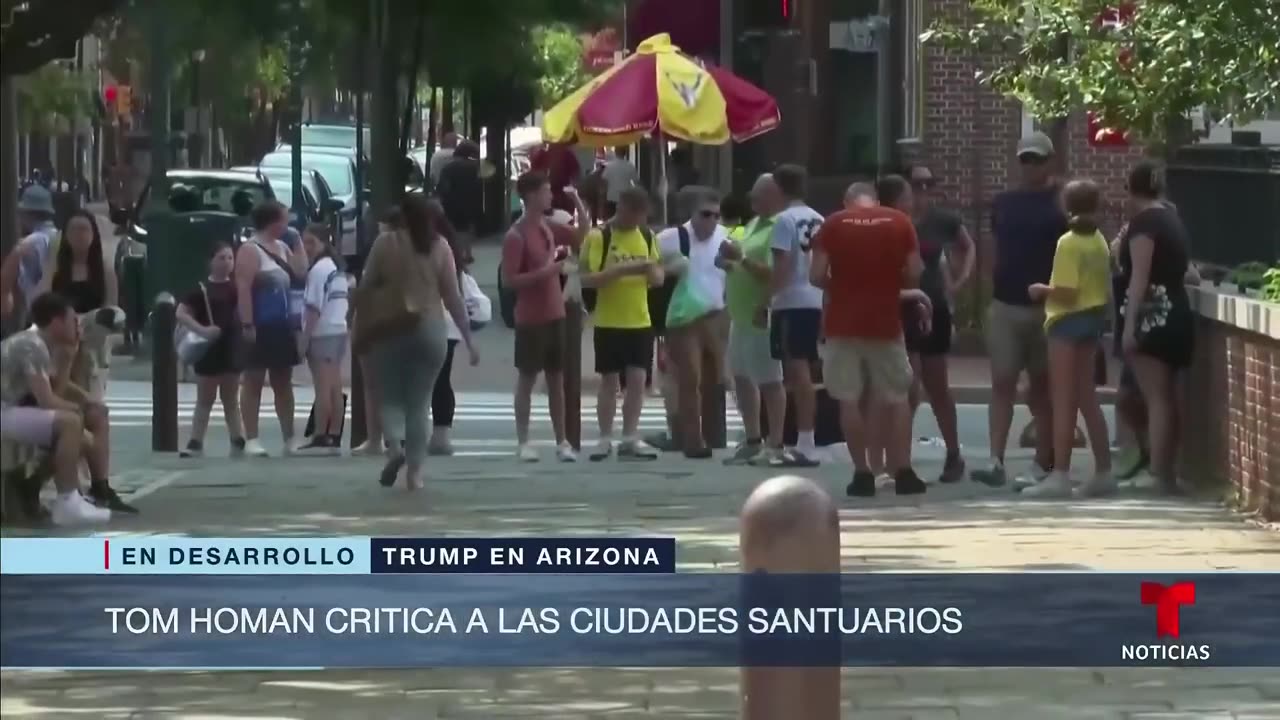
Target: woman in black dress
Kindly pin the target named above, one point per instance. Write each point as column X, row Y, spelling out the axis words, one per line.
column 210, row 310
column 1158, row 328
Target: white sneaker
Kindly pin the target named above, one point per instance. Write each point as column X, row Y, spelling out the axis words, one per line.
column 527, row 453
column 603, row 450
column 365, row 449
column 1031, row 478
column 884, row 480
column 253, row 448
column 565, row 453
column 73, row 509
column 1100, row 485
column 1144, row 480
column 291, row 446
column 1056, row 486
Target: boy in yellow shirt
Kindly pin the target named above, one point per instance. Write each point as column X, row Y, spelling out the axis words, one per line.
column 1075, row 318
column 620, row 262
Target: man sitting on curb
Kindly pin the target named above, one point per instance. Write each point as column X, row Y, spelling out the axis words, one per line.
column 31, row 413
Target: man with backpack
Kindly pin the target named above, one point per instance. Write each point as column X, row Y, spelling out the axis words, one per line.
column 620, row 263
column 693, row 309
column 533, row 256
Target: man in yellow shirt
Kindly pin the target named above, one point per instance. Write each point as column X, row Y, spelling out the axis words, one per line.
column 620, row 262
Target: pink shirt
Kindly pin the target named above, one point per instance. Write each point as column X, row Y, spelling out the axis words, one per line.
column 526, row 249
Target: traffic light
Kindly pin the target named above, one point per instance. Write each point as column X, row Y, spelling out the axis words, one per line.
column 119, row 99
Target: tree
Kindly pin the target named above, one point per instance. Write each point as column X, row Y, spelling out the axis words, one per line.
column 559, row 63
column 1139, row 66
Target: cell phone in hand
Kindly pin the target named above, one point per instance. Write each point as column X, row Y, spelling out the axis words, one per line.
column 562, row 252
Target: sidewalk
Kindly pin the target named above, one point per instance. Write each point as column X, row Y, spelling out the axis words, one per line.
column 962, row 528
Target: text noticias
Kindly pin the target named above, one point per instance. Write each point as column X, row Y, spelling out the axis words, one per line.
column 538, row 621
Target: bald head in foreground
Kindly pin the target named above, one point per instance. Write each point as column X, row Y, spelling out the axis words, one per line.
column 790, row 525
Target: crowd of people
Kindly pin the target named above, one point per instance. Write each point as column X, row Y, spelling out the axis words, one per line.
column 778, row 300
column 791, row 308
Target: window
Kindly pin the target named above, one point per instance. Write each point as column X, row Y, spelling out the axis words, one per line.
column 913, row 71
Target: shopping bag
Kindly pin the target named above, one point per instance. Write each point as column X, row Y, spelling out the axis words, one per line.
column 310, row 431
column 687, row 305
column 479, row 307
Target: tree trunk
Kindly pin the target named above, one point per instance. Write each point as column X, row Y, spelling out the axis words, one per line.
column 446, row 110
column 8, row 166
column 386, row 106
column 495, row 195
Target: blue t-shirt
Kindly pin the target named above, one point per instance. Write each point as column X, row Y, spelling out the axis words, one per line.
column 1026, row 225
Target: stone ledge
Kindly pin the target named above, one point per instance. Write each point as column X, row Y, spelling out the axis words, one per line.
column 1230, row 307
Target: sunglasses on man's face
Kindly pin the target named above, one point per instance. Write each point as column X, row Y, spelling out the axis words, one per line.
column 1032, row 159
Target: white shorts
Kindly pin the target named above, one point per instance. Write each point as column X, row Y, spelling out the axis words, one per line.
column 852, row 365
column 750, row 356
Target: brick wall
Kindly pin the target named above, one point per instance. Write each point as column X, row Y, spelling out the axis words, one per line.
column 970, row 132
column 1233, row 425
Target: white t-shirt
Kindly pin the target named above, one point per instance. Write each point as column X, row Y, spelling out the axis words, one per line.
column 793, row 231
column 619, row 174
column 706, row 278
column 327, row 291
column 439, row 159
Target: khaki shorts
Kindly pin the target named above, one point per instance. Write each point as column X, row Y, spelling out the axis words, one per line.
column 1016, row 340
column 852, row 365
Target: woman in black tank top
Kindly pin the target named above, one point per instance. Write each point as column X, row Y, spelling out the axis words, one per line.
column 79, row 271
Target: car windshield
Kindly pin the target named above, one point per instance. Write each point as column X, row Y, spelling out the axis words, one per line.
column 332, row 136
column 212, row 194
column 335, row 169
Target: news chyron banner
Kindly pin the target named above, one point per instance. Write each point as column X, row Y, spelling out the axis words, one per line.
column 178, row 602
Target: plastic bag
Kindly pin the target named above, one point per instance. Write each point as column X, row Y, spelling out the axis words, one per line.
column 479, row 307
column 687, row 304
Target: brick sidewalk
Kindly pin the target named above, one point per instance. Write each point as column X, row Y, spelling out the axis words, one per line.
column 962, row 528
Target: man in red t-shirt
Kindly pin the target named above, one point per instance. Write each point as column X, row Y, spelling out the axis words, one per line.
column 533, row 256
column 863, row 258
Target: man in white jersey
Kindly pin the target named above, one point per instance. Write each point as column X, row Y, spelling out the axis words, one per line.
column 795, row 322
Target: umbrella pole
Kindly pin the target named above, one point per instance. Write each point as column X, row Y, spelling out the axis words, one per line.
column 663, row 188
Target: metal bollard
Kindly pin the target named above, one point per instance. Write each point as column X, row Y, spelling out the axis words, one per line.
column 790, row 525
column 573, row 375
column 359, row 423
column 164, row 376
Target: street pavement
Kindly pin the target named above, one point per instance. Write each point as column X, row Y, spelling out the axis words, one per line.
column 960, row 528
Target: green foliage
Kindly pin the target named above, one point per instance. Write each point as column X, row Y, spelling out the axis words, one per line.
column 1249, row 276
column 51, row 97
column 1168, row 59
column 1271, row 284
column 559, row 61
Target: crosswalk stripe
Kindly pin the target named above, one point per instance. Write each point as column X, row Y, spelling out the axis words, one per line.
column 134, row 413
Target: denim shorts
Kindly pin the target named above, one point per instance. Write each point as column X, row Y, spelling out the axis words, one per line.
column 1082, row 326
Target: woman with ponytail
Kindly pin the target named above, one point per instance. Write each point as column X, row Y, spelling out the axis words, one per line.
column 1075, row 318
column 1158, row 332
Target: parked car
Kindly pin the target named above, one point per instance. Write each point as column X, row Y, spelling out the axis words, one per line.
column 328, row 135
column 203, row 207
column 327, row 207
column 339, row 172
column 415, row 178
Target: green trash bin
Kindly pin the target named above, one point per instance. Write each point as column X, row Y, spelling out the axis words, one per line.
column 179, row 247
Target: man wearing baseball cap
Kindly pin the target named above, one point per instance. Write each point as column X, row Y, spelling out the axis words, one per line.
column 24, row 265
column 1026, row 223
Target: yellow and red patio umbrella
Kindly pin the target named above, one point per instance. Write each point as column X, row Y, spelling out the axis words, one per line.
column 660, row 89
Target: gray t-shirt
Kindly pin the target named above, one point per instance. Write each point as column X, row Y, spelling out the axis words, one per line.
column 793, row 231
column 22, row 354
